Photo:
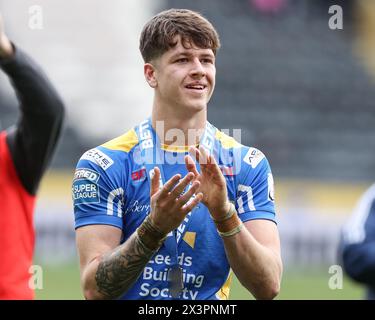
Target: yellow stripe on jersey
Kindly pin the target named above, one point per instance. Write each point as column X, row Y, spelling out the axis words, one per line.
column 223, row 293
column 128, row 140
column 173, row 148
column 123, row 143
column 226, row 141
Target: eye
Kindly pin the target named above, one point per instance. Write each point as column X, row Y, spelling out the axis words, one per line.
column 182, row 60
column 207, row 60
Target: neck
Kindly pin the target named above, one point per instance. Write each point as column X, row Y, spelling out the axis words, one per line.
column 179, row 130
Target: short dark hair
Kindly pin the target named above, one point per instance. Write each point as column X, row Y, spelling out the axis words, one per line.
column 158, row 35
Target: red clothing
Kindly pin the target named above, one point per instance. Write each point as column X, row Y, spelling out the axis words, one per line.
column 25, row 152
column 16, row 230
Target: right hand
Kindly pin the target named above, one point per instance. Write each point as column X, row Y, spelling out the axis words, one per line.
column 168, row 207
column 6, row 48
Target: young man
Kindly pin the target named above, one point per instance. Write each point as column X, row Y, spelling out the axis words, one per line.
column 25, row 151
column 151, row 222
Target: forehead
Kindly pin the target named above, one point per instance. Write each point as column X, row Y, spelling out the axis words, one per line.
column 187, row 48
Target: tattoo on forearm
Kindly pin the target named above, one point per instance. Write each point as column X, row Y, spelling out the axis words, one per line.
column 119, row 269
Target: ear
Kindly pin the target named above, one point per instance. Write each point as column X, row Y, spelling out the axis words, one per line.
column 149, row 72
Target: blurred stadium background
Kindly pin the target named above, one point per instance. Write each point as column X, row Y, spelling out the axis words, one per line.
column 299, row 91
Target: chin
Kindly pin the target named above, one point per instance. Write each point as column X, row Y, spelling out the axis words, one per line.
column 197, row 104
column 197, row 107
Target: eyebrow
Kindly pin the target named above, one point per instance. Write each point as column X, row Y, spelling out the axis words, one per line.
column 188, row 54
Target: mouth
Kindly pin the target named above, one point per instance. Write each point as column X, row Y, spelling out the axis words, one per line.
column 196, row 87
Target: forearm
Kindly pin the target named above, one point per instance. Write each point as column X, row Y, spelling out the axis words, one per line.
column 40, row 121
column 112, row 274
column 257, row 267
column 36, row 93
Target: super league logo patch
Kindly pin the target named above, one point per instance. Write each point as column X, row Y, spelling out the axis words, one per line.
column 85, row 188
column 86, row 174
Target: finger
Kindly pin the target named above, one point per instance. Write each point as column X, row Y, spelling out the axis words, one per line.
column 190, row 165
column 190, row 206
column 214, row 167
column 155, row 181
column 212, row 159
column 194, row 153
column 187, row 196
column 203, row 155
column 169, row 185
column 180, row 187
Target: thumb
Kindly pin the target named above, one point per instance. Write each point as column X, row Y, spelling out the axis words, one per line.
column 155, row 181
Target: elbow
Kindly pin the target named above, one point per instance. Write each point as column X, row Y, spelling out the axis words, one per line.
column 93, row 294
column 269, row 288
column 89, row 291
column 55, row 110
column 58, row 109
column 90, row 294
column 271, row 293
column 268, row 292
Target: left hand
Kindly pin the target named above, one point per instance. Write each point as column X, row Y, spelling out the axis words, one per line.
column 212, row 182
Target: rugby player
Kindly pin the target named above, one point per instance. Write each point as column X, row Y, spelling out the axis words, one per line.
column 168, row 209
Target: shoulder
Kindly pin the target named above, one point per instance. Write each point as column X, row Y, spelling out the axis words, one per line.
column 244, row 156
column 253, row 157
column 107, row 153
column 124, row 143
column 226, row 141
column 101, row 172
column 109, row 159
column 365, row 206
column 368, row 196
column 354, row 230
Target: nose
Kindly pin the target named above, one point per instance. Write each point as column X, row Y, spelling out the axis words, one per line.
column 197, row 70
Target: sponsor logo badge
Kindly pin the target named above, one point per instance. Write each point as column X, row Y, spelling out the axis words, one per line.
column 136, row 206
column 139, row 175
column 85, row 188
column 86, row 174
column 254, row 157
column 98, row 157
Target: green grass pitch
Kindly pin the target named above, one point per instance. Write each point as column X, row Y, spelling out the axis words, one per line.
column 62, row 282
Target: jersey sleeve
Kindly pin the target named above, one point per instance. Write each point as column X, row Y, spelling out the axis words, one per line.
column 255, row 189
column 33, row 140
column 97, row 189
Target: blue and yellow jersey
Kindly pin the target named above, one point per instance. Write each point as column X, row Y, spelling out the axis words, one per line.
column 110, row 187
